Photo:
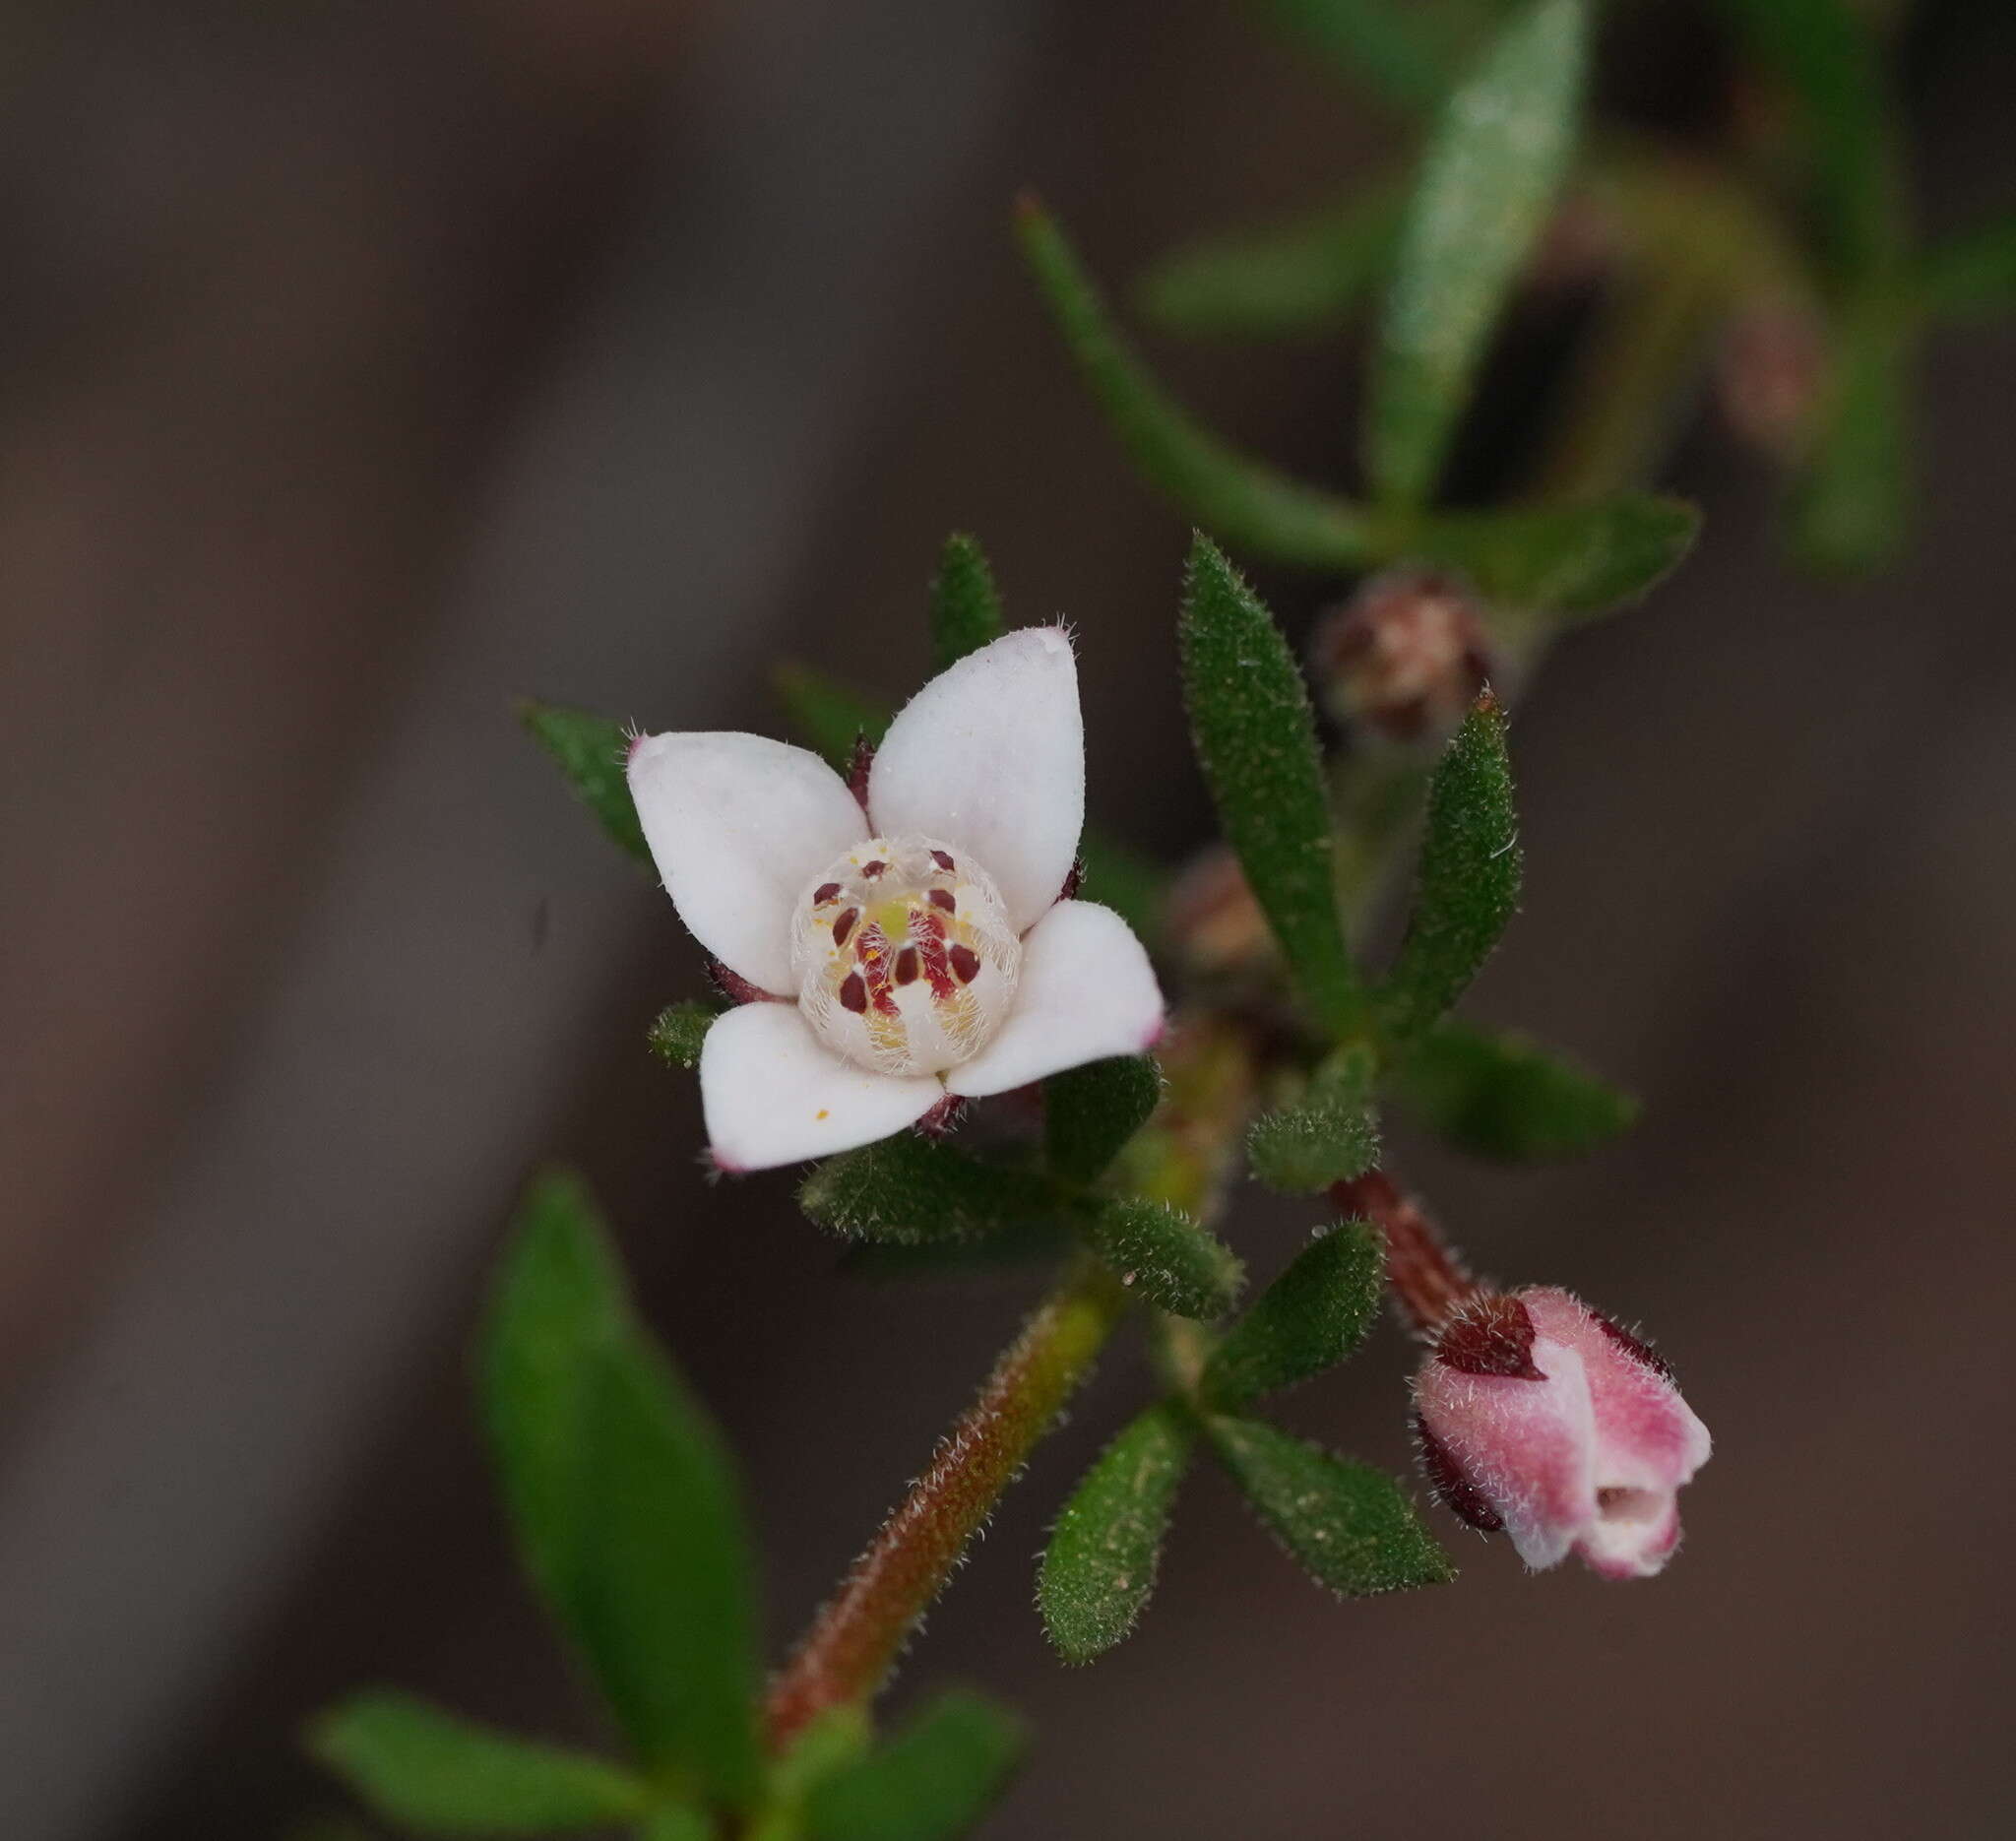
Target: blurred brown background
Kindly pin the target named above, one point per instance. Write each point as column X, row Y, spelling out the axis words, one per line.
column 365, row 365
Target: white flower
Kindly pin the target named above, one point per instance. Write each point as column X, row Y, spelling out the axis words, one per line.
column 914, row 950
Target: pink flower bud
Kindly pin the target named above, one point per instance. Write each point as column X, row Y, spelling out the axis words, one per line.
column 1404, row 658
column 1538, row 1416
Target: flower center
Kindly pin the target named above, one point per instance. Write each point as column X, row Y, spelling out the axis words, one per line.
column 905, row 960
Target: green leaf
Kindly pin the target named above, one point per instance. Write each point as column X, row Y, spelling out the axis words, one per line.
column 1497, row 156
column 414, row 1764
column 966, row 606
column 681, row 1031
column 1306, row 276
column 837, row 1739
column 1308, row 1321
column 933, row 1782
column 1404, row 51
column 1569, row 559
column 677, row 1824
column 591, row 751
column 910, row 1191
column 1257, row 741
column 1090, row 1112
column 1851, row 503
column 1351, row 1526
column 828, row 717
column 622, row 1499
column 1972, row 276
column 1175, row 1263
column 1002, row 1250
column 1468, row 885
column 1244, row 500
column 1828, row 56
column 1505, row 1097
column 1329, row 1134
column 1100, row 1566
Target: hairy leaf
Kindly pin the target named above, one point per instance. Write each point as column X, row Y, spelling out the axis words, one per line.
column 1257, row 741
column 1100, row 1566
column 1468, row 885
column 681, row 1032
column 1351, row 1526
column 1090, row 1112
column 426, row 1769
column 910, row 1191
column 1309, row 276
column 1175, row 1263
column 1502, row 1096
column 933, row 1782
column 1331, row 1132
column 1308, row 1320
column 1487, row 184
column 622, row 1498
column 966, row 606
column 591, row 751
column 1247, row 502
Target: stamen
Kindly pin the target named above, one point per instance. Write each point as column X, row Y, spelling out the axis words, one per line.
column 845, row 925
column 965, row 964
column 945, row 899
column 824, row 893
column 853, row 994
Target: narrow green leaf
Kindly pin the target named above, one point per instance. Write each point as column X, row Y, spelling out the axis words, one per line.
column 908, row 1190
column 1405, row 52
column 622, row 1499
column 1175, row 1263
column 1578, row 560
column 681, row 1031
column 590, row 751
column 1310, row 275
column 828, row 717
column 1851, row 503
column 1505, row 1097
column 1330, row 1134
column 1257, row 741
column 1244, row 500
column 1972, row 276
column 1468, row 884
column 933, row 1782
column 1828, row 56
column 966, row 606
column 838, row 1738
column 676, row 1822
column 1002, row 1250
column 1100, row 1566
column 1090, row 1112
column 1307, row 1321
column 414, row 1764
column 1497, row 154
column 1351, row 1526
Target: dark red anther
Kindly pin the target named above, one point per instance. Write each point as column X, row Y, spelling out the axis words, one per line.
column 1637, row 1349
column 944, row 899
column 943, row 859
column 1452, row 1489
column 907, row 966
column 845, row 925
column 735, row 988
column 1074, row 880
column 874, row 868
column 965, row 964
column 943, row 1117
column 853, row 994
column 857, row 770
column 824, row 893
column 1492, row 1334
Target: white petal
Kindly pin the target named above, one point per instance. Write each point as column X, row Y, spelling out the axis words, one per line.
column 773, row 1095
column 738, row 825
column 989, row 756
column 1087, row 993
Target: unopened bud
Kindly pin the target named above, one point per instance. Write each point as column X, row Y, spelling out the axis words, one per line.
column 1768, row 371
column 1212, row 920
column 1540, row 1417
column 1404, row 657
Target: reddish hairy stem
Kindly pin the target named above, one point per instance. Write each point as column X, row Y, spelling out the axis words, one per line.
column 854, row 1639
column 1429, row 1281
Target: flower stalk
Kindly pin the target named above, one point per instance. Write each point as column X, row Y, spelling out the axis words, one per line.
column 1430, row 1284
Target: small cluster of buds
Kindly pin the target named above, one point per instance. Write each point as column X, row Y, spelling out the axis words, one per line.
column 1404, row 657
column 1536, row 1415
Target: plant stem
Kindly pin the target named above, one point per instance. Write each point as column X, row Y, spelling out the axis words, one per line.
column 1430, row 1282
column 854, row 1641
